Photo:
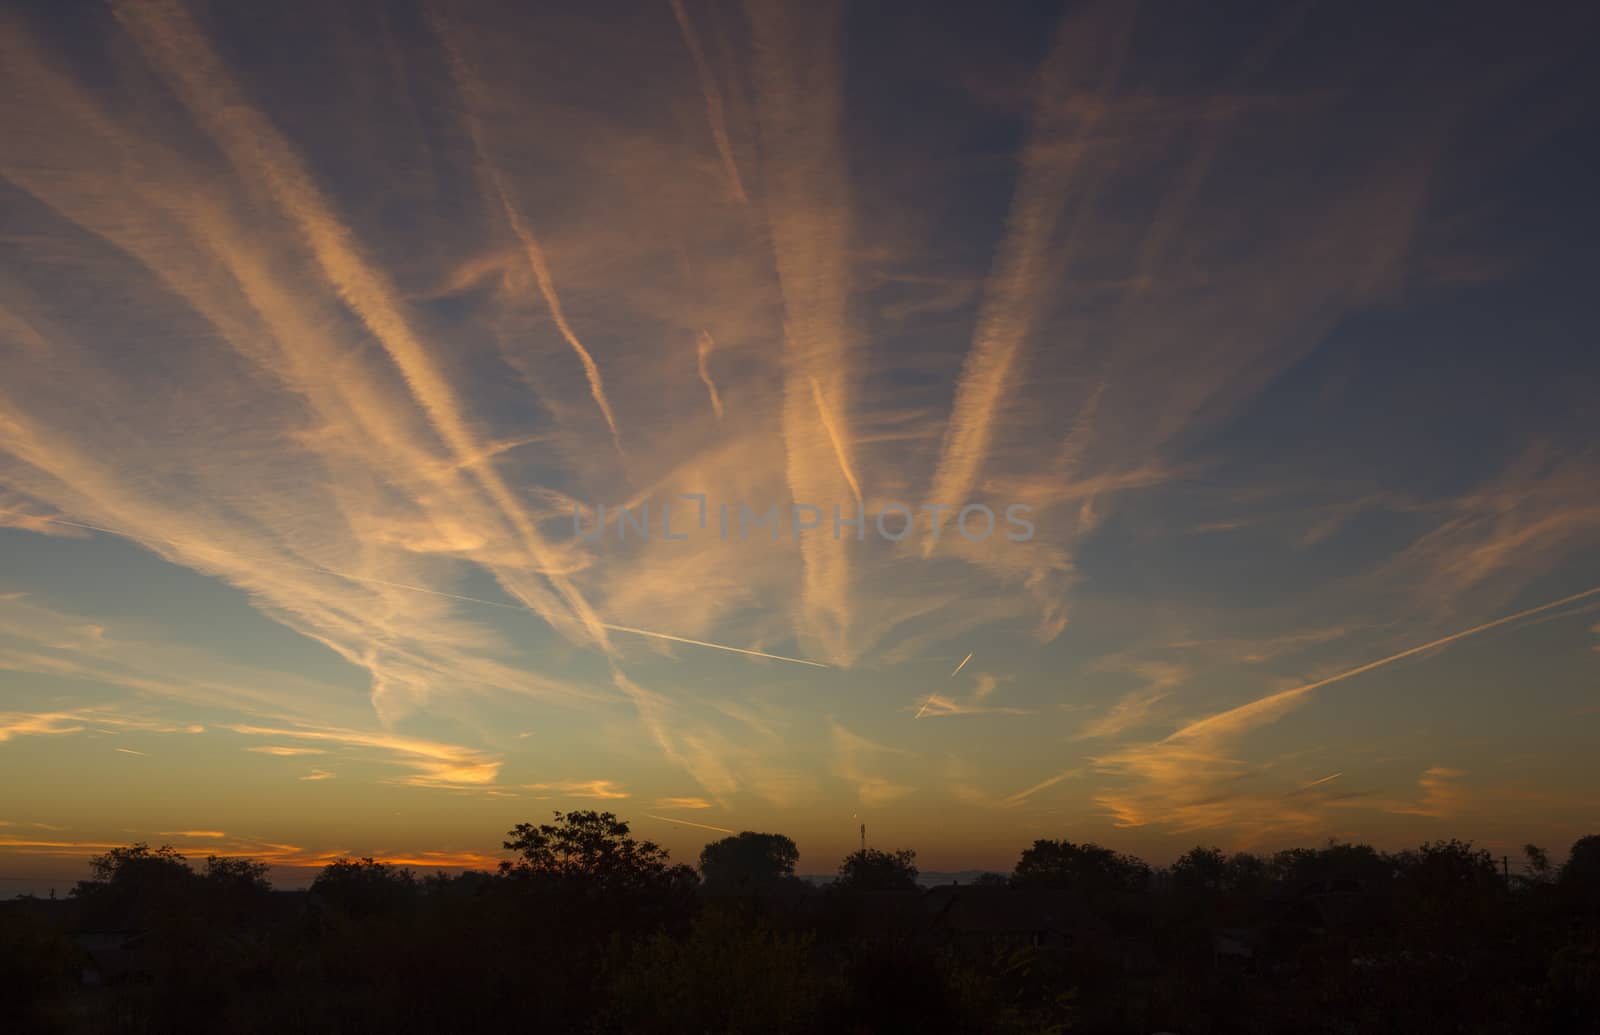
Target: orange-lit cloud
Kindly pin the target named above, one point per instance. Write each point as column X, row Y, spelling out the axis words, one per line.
column 578, row 789
column 682, row 803
column 338, row 452
column 436, row 764
column 1185, row 780
column 193, row 833
column 857, row 761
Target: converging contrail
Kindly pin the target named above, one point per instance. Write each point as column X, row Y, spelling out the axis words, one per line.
column 929, row 701
column 434, row 592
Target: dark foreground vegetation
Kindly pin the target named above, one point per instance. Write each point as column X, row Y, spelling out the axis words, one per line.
column 590, row 930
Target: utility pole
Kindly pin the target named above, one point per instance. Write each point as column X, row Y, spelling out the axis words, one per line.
column 863, row 839
column 1505, row 868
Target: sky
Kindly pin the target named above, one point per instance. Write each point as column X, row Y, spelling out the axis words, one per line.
column 1263, row 335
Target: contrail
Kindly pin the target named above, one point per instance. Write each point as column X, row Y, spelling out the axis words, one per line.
column 929, row 701
column 1015, row 293
column 1022, row 796
column 1325, row 779
column 547, row 288
column 472, row 91
column 175, row 44
column 834, row 439
column 1265, row 704
column 713, row 646
column 703, row 347
column 713, row 96
column 432, row 592
column 689, row 823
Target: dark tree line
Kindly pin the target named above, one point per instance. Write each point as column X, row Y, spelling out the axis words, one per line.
column 588, row 929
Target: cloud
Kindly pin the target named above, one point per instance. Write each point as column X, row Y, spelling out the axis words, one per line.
column 372, row 431
column 14, row 724
column 715, row 117
column 703, row 348
column 276, row 855
column 936, row 705
column 809, row 221
column 1190, row 780
column 1137, row 707
column 1091, row 45
column 1497, row 537
column 856, row 760
column 1442, row 796
column 682, row 803
column 435, row 764
column 467, row 82
column 578, row 789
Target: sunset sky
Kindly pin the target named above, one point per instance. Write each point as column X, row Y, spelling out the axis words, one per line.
column 318, row 321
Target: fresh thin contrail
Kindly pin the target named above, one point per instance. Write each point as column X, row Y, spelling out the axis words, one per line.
column 714, row 646
column 437, row 593
column 691, row 823
column 1263, row 703
column 958, row 668
column 1220, row 719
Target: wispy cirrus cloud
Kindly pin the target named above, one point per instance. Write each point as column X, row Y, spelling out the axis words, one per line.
column 605, row 789
column 15, row 724
column 682, row 803
column 1442, row 794
column 1188, row 780
column 858, row 761
column 436, row 764
column 224, row 353
column 224, row 846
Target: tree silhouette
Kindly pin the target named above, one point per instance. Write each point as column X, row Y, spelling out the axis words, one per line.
column 1580, row 874
column 136, row 886
column 1538, row 862
column 1085, row 868
column 1210, row 871
column 747, row 862
column 872, row 870
column 594, row 849
column 364, row 888
column 235, row 888
column 1201, row 870
column 590, row 929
